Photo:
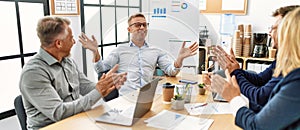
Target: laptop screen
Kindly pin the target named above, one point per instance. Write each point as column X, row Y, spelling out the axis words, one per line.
column 134, row 110
column 145, row 98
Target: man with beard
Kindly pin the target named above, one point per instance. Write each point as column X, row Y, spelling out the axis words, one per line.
column 137, row 58
column 256, row 87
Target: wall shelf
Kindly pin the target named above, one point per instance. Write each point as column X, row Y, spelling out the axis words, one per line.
column 242, row 60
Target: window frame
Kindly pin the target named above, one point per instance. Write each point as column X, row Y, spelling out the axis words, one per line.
column 101, row 44
column 21, row 55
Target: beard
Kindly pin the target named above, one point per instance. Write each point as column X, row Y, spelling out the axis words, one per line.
column 139, row 35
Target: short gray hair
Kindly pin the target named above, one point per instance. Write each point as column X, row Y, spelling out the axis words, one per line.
column 49, row 28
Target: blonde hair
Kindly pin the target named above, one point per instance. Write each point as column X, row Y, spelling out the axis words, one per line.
column 134, row 16
column 288, row 57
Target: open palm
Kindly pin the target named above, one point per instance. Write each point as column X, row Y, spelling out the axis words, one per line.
column 190, row 51
column 88, row 43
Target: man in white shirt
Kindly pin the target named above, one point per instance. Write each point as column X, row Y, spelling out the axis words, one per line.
column 137, row 57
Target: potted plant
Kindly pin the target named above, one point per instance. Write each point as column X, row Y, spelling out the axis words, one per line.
column 201, row 88
column 182, row 96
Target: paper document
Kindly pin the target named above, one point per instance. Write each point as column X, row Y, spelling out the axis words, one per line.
column 209, row 108
column 175, row 121
column 194, row 123
column 165, row 120
column 233, row 4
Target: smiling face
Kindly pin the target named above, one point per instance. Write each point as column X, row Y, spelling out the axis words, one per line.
column 273, row 32
column 138, row 28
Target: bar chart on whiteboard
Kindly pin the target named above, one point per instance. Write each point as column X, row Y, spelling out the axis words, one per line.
column 170, row 26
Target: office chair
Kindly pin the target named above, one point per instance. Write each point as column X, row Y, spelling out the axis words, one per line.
column 113, row 94
column 19, row 108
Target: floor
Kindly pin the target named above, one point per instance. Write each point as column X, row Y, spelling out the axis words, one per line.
column 11, row 123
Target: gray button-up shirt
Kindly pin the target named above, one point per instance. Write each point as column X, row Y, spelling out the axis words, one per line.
column 45, row 90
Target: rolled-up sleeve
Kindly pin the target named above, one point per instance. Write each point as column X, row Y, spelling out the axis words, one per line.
column 166, row 63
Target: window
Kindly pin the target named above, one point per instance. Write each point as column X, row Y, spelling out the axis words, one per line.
column 107, row 21
column 19, row 43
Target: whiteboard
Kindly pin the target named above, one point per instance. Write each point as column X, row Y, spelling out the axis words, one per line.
column 169, row 26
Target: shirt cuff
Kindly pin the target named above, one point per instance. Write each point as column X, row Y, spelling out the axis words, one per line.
column 98, row 66
column 237, row 71
column 174, row 68
column 95, row 94
column 237, row 102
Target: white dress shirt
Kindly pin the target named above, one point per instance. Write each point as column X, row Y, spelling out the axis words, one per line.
column 237, row 102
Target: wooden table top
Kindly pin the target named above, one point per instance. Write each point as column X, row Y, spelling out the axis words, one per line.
column 86, row 120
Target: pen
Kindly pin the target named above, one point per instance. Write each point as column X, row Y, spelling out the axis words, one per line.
column 202, row 105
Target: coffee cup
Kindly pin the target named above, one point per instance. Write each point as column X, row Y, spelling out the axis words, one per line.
column 272, row 53
column 168, row 92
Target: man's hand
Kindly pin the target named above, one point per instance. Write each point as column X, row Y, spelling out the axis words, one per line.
column 88, row 43
column 228, row 89
column 206, row 79
column 120, row 78
column 108, row 82
column 225, row 61
column 91, row 45
column 185, row 52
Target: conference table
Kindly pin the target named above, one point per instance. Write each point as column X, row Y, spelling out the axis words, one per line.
column 86, row 120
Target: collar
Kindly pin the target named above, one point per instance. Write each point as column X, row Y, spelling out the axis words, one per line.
column 50, row 60
column 131, row 44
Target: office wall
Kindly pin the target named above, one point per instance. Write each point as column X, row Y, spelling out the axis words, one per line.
column 76, row 52
column 259, row 14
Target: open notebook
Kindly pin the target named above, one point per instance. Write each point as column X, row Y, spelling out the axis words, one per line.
column 142, row 104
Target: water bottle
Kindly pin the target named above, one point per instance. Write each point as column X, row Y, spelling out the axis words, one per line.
column 227, row 27
column 227, row 24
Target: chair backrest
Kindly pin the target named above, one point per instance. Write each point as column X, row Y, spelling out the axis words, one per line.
column 19, row 108
column 101, row 73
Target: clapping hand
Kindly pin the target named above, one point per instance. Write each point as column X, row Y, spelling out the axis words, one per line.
column 228, row 89
column 225, row 61
column 110, row 81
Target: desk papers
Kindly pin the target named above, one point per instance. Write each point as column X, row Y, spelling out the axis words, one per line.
column 194, row 123
column 172, row 120
column 210, row 108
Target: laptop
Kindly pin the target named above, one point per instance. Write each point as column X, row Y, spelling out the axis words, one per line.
column 218, row 97
column 127, row 116
column 220, row 80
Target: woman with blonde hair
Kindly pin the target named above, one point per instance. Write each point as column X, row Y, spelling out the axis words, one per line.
column 282, row 109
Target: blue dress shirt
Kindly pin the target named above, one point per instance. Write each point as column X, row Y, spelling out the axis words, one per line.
column 138, row 62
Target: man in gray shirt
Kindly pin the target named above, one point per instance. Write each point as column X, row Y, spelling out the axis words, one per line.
column 51, row 84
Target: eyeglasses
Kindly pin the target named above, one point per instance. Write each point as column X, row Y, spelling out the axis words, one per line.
column 138, row 25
